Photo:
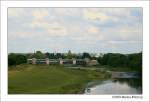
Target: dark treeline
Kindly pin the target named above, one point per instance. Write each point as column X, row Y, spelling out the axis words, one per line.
column 69, row 55
column 16, row 59
column 133, row 61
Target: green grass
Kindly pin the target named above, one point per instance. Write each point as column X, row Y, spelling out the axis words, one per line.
column 42, row 79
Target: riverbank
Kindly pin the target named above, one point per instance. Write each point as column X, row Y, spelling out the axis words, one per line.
column 121, row 69
column 42, row 79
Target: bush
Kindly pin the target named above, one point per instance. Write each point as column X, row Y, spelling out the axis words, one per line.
column 133, row 61
column 16, row 59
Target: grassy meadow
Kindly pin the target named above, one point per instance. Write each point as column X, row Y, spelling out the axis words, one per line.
column 43, row 79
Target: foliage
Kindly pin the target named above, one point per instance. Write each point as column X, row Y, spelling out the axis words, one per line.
column 54, row 55
column 39, row 55
column 16, row 59
column 86, row 55
column 69, row 55
column 133, row 61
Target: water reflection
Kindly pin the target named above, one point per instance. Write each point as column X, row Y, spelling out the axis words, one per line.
column 115, row 86
column 134, row 83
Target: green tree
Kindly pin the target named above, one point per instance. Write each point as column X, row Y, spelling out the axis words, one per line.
column 69, row 55
column 21, row 59
column 16, row 59
column 135, row 61
column 86, row 55
column 132, row 61
column 39, row 55
column 11, row 59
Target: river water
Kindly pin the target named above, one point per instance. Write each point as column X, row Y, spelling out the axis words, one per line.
column 115, row 86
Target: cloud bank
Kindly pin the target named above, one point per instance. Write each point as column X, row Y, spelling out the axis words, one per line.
column 93, row 30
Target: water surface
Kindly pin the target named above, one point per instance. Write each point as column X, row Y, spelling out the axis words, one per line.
column 115, row 86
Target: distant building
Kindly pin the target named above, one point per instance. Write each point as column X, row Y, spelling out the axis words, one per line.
column 60, row 61
column 93, row 62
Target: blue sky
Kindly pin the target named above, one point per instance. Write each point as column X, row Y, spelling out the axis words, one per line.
column 94, row 30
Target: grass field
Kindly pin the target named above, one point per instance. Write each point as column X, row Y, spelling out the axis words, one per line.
column 42, row 79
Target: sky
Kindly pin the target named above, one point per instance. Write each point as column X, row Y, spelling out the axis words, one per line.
column 93, row 30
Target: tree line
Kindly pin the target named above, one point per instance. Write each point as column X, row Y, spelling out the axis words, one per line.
column 16, row 59
column 133, row 61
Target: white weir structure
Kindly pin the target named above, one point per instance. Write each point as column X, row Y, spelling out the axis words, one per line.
column 61, row 61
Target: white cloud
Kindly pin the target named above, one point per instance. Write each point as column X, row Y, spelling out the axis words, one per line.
column 95, row 15
column 67, row 11
column 117, row 11
column 94, row 30
column 15, row 12
column 123, row 42
column 51, row 29
column 39, row 14
column 84, row 26
column 57, row 30
column 110, row 14
column 22, row 35
column 130, row 33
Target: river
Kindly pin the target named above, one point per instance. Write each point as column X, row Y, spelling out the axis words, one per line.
column 119, row 83
column 115, row 86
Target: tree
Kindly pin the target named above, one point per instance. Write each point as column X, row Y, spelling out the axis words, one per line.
column 39, row 55
column 135, row 61
column 16, row 59
column 104, row 60
column 86, row 55
column 52, row 56
column 99, row 59
column 69, row 55
column 47, row 54
column 11, row 59
column 21, row 59
column 117, row 60
column 59, row 55
column 132, row 61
